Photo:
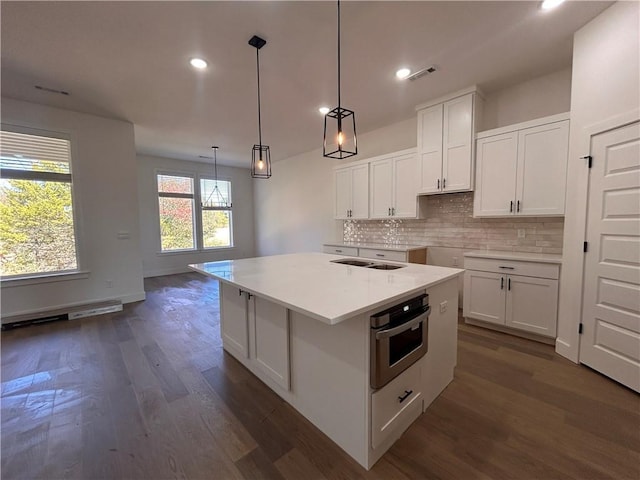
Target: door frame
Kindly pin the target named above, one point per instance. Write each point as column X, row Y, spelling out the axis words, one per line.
column 571, row 292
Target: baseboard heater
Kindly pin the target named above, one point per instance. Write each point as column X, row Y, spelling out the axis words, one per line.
column 70, row 313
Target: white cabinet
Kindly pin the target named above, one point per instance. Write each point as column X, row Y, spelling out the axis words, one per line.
column 393, row 187
column 256, row 332
column 352, row 192
column 522, row 169
column 445, row 145
column 514, row 294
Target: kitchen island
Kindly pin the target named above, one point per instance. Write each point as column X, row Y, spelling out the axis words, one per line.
column 301, row 323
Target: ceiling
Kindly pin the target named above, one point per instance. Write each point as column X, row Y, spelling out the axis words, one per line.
column 129, row 60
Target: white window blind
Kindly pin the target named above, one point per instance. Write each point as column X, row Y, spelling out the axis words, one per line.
column 32, row 157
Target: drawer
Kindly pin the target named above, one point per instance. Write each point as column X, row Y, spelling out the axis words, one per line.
column 513, row 267
column 383, row 254
column 351, row 251
column 390, row 416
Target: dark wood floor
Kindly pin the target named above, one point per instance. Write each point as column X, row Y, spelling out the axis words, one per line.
column 149, row 393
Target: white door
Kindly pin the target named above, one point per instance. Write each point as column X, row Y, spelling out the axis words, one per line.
column 532, row 304
column 381, row 185
column 611, row 299
column 405, row 171
column 342, row 193
column 484, row 296
column 360, row 191
column 430, row 149
column 233, row 321
column 456, row 144
column 271, row 345
column 496, row 160
column 542, row 169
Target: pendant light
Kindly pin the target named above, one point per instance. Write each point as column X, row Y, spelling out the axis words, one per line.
column 216, row 199
column 260, row 155
column 339, row 124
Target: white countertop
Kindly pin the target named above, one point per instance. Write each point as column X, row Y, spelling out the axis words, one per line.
column 311, row 284
column 396, row 247
column 519, row 256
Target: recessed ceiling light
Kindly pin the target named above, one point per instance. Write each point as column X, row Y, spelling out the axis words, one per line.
column 198, row 63
column 403, row 73
column 324, row 110
column 549, row 4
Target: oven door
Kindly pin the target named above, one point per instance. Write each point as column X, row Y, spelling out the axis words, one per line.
column 397, row 347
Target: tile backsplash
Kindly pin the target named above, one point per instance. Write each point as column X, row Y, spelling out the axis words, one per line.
column 449, row 222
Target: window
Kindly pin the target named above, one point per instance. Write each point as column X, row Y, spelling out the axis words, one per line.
column 37, row 232
column 185, row 225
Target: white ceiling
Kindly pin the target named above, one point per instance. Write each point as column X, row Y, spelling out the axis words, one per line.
column 129, row 60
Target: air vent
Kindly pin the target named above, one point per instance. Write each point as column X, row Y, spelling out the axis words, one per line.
column 422, row 73
column 51, row 90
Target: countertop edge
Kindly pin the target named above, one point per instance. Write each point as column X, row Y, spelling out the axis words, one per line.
column 381, row 246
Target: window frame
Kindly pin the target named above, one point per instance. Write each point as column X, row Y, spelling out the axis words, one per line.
column 198, row 230
column 57, row 275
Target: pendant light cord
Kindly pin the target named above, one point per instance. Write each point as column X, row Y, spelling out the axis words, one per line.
column 339, row 104
column 259, row 119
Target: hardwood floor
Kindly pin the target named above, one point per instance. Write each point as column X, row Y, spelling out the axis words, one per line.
column 149, row 393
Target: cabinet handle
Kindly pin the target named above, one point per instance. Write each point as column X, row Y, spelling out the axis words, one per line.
column 405, row 396
column 506, row 268
column 501, row 283
column 511, row 206
column 379, row 254
column 444, row 183
column 393, row 211
column 338, row 251
column 518, row 207
column 389, row 212
column 509, row 284
column 249, row 295
column 240, row 292
column 438, row 184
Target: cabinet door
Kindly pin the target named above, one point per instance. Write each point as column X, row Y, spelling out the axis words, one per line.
column 532, row 304
column 457, row 143
column 484, row 296
column 405, row 171
column 360, row 191
column 234, row 321
column 496, row 175
column 381, row 192
column 542, row 169
column 430, row 149
column 271, row 340
column 343, row 187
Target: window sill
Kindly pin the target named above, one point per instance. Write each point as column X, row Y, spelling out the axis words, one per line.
column 44, row 278
column 193, row 252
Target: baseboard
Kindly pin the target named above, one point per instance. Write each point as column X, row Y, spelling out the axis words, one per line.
column 563, row 348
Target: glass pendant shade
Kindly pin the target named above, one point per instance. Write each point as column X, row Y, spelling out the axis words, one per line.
column 340, row 134
column 261, row 161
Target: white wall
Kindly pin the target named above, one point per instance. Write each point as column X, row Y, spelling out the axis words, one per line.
column 605, row 92
column 535, row 98
column 156, row 263
column 106, row 196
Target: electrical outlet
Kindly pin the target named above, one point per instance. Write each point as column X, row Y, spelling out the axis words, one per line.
column 109, row 283
column 443, row 306
column 521, row 233
column 456, row 262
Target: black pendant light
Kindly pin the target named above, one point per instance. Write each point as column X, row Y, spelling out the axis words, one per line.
column 215, row 199
column 339, row 124
column 260, row 155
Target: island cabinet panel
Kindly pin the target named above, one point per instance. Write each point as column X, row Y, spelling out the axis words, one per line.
column 396, row 405
column 271, row 339
column 234, row 321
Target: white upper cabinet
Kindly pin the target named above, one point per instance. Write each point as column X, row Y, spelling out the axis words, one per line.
column 393, row 186
column 522, row 169
column 445, row 144
column 352, row 192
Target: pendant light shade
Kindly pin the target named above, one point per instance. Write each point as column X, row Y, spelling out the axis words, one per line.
column 339, row 124
column 260, row 154
column 215, row 197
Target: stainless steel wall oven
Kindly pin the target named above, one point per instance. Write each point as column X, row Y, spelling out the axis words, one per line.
column 399, row 337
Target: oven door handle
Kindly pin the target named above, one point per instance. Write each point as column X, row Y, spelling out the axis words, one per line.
column 404, row 327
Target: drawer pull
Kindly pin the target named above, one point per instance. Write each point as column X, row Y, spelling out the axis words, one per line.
column 338, row 251
column 502, row 283
column 507, row 268
column 379, row 254
column 405, row 396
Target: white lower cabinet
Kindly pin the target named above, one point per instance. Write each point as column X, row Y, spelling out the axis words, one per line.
column 518, row 295
column 396, row 405
column 256, row 331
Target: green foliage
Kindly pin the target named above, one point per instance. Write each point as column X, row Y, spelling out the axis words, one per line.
column 36, row 227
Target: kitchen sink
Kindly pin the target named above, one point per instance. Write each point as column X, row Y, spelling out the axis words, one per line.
column 362, row 263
